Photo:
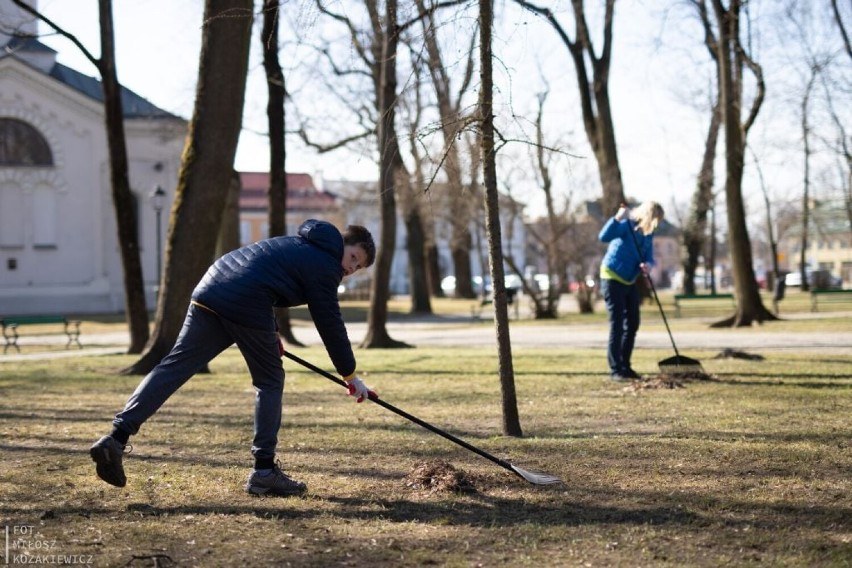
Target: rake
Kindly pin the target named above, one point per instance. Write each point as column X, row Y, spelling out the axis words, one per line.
column 532, row 477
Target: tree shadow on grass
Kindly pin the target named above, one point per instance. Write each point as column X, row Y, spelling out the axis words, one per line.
column 775, row 380
column 484, row 512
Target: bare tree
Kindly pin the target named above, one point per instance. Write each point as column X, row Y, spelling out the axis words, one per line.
column 733, row 59
column 511, row 421
column 411, row 200
column 770, row 230
column 452, row 122
column 122, row 198
column 546, row 302
column 842, row 27
column 206, row 168
column 806, row 175
column 386, row 30
column 377, row 50
column 695, row 229
column 276, row 120
column 594, row 93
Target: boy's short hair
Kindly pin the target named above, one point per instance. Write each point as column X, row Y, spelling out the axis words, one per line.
column 358, row 235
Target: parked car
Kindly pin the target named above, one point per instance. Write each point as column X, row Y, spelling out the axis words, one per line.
column 448, row 285
column 816, row 278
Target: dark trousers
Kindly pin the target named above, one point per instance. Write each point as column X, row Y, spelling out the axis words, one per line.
column 622, row 302
column 203, row 336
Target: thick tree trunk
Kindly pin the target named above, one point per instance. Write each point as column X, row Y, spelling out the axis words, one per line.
column 206, row 168
column 750, row 307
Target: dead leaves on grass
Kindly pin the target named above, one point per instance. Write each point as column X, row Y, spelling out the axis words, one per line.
column 666, row 381
column 439, row 476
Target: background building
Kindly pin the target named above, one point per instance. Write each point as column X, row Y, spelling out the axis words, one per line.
column 58, row 243
column 829, row 241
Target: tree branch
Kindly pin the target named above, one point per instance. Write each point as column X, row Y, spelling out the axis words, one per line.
column 324, row 148
column 95, row 61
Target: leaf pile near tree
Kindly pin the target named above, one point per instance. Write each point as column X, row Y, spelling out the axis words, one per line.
column 439, row 476
column 729, row 353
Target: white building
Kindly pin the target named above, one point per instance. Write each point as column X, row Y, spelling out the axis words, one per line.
column 58, row 245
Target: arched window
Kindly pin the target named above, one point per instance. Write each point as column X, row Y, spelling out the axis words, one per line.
column 22, row 145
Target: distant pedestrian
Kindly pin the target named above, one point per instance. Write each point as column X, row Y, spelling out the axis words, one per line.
column 630, row 235
column 234, row 303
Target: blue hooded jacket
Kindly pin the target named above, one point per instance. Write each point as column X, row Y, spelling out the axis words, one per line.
column 622, row 256
column 244, row 285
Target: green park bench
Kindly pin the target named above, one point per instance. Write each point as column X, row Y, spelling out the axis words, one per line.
column 829, row 295
column 10, row 324
column 681, row 299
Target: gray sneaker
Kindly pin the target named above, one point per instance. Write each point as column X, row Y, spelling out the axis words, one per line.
column 275, row 483
column 107, row 453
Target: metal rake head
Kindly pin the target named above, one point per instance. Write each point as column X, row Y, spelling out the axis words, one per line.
column 536, row 478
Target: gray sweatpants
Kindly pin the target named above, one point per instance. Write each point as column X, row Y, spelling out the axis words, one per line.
column 203, row 336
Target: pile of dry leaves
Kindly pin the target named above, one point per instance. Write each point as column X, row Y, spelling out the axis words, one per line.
column 438, row 476
column 668, row 381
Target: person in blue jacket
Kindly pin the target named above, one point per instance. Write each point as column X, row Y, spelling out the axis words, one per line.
column 234, row 303
column 630, row 235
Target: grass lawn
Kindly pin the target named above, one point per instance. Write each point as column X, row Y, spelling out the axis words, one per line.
column 750, row 468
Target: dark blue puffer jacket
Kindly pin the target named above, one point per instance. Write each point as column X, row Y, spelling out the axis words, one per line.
column 245, row 284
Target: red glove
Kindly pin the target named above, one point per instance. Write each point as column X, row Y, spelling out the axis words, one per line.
column 358, row 389
column 280, row 347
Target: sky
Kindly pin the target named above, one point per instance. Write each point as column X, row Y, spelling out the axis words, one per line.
column 657, row 88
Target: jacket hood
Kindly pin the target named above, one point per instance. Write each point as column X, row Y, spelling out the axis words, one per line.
column 323, row 235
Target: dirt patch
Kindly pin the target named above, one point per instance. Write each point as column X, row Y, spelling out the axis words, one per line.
column 668, row 381
column 439, row 476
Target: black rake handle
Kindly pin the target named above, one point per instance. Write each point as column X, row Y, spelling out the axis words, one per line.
column 404, row 414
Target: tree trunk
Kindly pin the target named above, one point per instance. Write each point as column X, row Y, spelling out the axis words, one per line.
column 695, row 231
column 276, row 120
column 460, row 201
column 806, row 184
column 771, row 283
column 420, row 302
column 122, row 198
column 511, row 421
column 750, row 307
column 229, row 231
column 433, row 268
column 206, row 168
column 390, row 165
column 411, row 198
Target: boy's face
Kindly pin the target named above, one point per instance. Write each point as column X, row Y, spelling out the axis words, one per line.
column 354, row 259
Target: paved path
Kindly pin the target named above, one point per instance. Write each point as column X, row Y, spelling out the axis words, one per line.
column 437, row 332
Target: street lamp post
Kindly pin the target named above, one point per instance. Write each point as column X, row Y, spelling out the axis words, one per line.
column 158, row 201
